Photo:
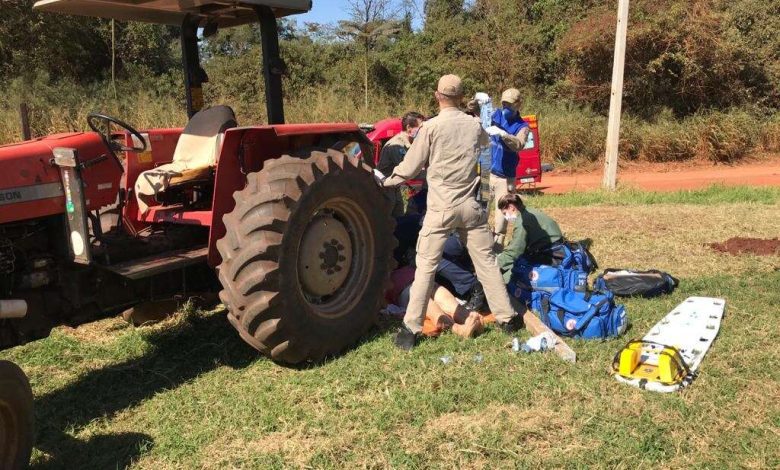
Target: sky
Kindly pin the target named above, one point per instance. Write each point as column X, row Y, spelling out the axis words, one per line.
column 331, row 11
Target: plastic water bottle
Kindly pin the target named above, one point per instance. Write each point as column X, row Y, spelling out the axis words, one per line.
column 527, row 349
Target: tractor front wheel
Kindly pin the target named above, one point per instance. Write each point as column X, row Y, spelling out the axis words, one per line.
column 307, row 256
column 16, row 417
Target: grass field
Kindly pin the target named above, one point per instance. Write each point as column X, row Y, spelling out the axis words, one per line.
column 188, row 393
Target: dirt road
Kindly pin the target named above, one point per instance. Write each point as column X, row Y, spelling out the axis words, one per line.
column 765, row 173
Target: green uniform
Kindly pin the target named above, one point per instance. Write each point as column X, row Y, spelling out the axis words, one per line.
column 536, row 231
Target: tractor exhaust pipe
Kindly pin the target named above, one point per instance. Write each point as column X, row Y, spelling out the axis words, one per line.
column 13, row 308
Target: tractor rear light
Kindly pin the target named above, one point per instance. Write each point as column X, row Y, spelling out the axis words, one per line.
column 77, row 242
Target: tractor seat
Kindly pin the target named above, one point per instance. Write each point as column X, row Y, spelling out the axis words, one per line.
column 194, row 158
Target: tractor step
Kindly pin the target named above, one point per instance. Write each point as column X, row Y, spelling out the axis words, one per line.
column 161, row 263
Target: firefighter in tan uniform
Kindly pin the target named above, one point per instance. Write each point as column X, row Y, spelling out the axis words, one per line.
column 448, row 146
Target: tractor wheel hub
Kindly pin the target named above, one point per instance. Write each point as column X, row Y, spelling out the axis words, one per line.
column 325, row 256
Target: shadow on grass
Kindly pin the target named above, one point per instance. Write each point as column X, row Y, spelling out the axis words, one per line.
column 178, row 355
column 116, row 450
column 383, row 325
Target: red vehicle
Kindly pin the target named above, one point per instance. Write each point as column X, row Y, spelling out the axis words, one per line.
column 295, row 228
column 529, row 167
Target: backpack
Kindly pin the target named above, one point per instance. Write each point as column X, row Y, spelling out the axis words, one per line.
column 626, row 283
column 527, row 278
column 548, row 278
column 576, row 314
column 567, row 255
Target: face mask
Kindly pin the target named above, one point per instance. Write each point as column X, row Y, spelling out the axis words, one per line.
column 508, row 113
column 510, row 217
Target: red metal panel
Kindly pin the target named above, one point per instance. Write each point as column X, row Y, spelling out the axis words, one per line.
column 313, row 129
column 383, row 131
column 33, row 209
column 256, row 145
column 28, row 165
column 530, row 164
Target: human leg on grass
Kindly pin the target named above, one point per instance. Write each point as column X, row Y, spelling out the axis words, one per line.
column 477, row 239
column 444, row 304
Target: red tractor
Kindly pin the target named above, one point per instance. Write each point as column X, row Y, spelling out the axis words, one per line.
column 287, row 215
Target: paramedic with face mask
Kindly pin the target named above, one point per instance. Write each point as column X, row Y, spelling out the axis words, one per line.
column 534, row 231
column 394, row 151
column 509, row 138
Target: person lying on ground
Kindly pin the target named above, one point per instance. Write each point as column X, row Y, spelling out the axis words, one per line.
column 443, row 311
column 533, row 233
column 455, row 270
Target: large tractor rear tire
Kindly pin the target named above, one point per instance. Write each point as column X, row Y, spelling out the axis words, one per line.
column 307, row 256
column 16, row 417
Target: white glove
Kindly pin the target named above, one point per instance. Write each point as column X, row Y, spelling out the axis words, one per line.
column 379, row 178
column 495, row 130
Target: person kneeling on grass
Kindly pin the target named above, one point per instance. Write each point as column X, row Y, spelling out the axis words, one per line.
column 443, row 311
column 533, row 233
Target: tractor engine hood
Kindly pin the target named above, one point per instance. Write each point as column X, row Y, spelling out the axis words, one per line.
column 30, row 185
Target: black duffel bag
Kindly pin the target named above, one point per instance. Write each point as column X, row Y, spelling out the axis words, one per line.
column 629, row 283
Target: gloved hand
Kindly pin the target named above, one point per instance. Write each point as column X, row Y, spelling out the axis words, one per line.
column 379, row 178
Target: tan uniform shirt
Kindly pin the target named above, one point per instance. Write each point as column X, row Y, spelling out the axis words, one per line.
column 449, row 145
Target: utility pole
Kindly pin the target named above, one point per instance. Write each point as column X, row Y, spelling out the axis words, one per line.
column 616, row 98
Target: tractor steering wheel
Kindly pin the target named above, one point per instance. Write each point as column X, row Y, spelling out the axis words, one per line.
column 95, row 120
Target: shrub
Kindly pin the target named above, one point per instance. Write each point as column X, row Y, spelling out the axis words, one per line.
column 727, row 137
column 770, row 134
column 667, row 140
column 570, row 134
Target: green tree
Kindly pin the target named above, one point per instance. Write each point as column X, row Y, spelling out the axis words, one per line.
column 436, row 10
column 370, row 25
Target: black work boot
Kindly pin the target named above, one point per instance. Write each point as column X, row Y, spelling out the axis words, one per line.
column 477, row 301
column 512, row 325
column 405, row 339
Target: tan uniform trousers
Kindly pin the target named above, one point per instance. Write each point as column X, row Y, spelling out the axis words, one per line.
column 499, row 187
column 469, row 219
